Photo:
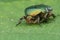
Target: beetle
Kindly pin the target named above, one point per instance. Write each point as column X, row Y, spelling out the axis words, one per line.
column 40, row 14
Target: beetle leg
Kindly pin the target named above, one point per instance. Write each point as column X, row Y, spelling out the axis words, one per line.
column 38, row 20
column 42, row 20
column 35, row 21
column 20, row 20
column 45, row 16
column 53, row 15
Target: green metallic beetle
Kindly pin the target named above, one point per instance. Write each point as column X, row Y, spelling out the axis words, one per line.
column 37, row 14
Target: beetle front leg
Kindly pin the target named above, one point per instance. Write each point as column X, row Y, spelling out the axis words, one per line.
column 20, row 20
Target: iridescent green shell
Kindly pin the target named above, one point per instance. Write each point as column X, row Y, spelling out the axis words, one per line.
column 40, row 7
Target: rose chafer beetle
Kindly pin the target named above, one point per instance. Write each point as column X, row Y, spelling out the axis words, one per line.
column 37, row 14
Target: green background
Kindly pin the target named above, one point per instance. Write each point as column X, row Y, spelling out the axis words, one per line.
column 12, row 10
